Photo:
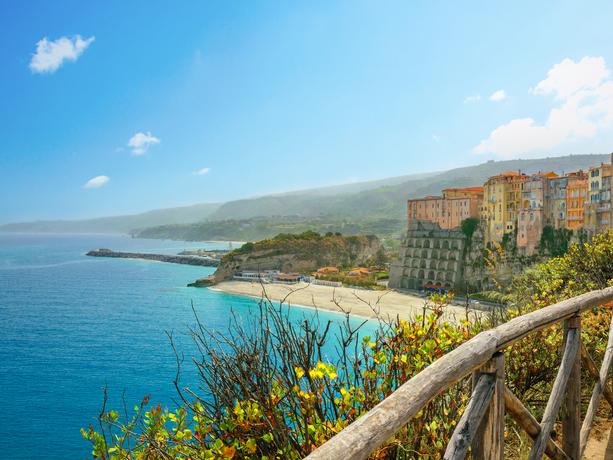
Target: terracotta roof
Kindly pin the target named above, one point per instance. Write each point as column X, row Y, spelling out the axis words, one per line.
column 465, row 189
column 284, row 276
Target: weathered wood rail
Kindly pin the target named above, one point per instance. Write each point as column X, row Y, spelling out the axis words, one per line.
column 481, row 427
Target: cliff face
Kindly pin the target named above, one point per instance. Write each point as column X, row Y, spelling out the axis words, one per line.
column 451, row 259
column 302, row 253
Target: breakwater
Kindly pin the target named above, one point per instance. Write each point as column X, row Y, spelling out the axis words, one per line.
column 173, row 259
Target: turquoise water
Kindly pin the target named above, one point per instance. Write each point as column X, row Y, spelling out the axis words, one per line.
column 71, row 324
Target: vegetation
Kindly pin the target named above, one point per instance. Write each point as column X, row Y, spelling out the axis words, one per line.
column 308, row 243
column 269, row 389
column 468, row 226
column 260, row 228
column 302, row 253
column 555, row 241
column 262, row 400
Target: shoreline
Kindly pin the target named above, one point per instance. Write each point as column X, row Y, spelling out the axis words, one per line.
column 357, row 302
column 291, row 304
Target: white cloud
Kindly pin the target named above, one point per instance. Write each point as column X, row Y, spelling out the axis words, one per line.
column 471, row 99
column 50, row 55
column 584, row 97
column 140, row 143
column 202, row 172
column 498, row 96
column 96, row 182
column 568, row 77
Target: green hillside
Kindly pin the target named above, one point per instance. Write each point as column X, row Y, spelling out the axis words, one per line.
column 259, row 228
column 388, row 200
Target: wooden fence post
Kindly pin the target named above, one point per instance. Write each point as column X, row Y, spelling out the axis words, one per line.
column 489, row 440
column 571, row 422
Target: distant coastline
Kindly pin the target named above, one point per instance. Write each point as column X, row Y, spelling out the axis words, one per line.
column 174, row 259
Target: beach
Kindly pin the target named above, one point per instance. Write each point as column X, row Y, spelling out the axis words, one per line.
column 360, row 302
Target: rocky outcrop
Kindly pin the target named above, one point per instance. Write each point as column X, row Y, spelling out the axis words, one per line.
column 302, row 253
column 203, row 282
column 185, row 260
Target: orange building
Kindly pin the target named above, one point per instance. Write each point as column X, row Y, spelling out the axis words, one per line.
column 448, row 210
column 576, row 195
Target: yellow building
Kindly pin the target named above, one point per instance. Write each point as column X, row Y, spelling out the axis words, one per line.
column 502, row 199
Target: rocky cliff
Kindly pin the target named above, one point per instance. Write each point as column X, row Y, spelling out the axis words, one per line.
column 303, row 253
column 457, row 259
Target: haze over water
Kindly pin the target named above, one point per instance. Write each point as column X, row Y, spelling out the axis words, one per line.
column 71, row 324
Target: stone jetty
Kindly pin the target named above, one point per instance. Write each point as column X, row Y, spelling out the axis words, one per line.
column 173, row 259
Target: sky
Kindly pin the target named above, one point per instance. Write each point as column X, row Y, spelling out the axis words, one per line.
column 114, row 107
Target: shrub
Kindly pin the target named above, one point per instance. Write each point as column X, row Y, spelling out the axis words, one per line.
column 469, row 226
column 270, row 391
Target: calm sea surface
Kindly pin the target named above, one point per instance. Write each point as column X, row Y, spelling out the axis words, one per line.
column 71, row 324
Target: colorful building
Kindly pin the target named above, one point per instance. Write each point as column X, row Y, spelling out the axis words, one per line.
column 531, row 215
column 555, row 202
column 597, row 217
column 576, row 194
column 448, row 210
column 517, row 205
column 501, row 204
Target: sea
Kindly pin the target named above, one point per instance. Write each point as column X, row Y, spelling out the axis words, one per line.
column 71, row 325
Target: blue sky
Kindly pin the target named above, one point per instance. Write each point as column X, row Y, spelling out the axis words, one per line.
column 264, row 97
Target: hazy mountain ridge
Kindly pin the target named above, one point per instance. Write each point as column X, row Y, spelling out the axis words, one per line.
column 384, row 198
column 118, row 224
column 389, row 200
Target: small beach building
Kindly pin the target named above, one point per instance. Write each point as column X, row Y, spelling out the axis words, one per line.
column 359, row 271
column 286, row 278
column 249, row 276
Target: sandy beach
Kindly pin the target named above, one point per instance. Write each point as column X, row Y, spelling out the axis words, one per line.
column 388, row 304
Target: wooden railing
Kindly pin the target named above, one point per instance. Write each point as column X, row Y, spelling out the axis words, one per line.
column 481, row 427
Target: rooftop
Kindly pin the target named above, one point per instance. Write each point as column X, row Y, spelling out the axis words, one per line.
column 464, row 189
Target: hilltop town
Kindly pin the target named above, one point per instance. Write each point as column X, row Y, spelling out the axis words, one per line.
column 513, row 218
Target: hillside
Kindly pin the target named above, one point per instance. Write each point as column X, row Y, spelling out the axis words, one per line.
column 329, row 207
column 388, row 199
column 302, row 253
column 380, row 210
column 259, row 228
column 118, row 224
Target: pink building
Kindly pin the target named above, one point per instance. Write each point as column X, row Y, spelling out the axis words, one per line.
column 448, row 210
